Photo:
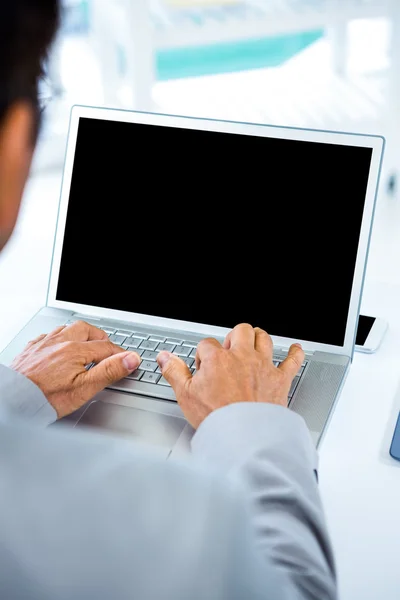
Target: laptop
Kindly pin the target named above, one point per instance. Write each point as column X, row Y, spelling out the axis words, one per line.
column 172, row 229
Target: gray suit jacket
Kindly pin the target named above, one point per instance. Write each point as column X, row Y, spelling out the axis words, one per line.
column 90, row 517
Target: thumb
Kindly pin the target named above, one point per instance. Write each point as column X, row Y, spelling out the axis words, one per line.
column 175, row 371
column 111, row 370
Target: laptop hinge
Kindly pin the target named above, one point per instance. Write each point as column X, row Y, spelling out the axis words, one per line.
column 80, row 316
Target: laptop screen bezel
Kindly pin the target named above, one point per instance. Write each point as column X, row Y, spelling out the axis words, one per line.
column 376, row 143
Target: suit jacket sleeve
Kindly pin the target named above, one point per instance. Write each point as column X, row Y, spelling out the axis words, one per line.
column 20, row 399
column 270, row 450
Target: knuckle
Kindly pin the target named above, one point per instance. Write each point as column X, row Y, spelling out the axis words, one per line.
column 207, row 345
column 245, row 326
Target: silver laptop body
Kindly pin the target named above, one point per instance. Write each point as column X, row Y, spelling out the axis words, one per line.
column 172, row 229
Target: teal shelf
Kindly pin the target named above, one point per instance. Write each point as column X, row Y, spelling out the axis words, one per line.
column 232, row 57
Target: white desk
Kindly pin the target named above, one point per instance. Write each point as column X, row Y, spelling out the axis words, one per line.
column 360, row 483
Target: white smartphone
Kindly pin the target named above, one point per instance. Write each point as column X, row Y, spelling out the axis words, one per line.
column 370, row 334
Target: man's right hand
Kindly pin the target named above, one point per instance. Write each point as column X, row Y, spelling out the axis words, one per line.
column 240, row 370
column 57, row 363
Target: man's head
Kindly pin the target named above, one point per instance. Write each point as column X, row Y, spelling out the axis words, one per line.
column 27, row 28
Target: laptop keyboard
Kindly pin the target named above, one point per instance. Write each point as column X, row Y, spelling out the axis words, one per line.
column 149, row 345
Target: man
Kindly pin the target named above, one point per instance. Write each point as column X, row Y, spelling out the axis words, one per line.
column 92, row 517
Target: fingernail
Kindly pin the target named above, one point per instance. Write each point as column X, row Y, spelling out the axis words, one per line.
column 299, row 346
column 131, row 361
column 163, row 358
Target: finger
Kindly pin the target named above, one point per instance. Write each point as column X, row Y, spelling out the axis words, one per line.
column 109, row 371
column 291, row 365
column 242, row 337
column 206, row 348
column 175, row 371
column 263, row 343
column 82, row 332
column 96, row 351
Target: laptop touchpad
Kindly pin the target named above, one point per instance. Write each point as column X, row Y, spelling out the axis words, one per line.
column 144, row 426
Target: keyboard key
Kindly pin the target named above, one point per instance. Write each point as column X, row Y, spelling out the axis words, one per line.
column 136, row 350
column 293, row 386
column 147, row 355
column 136, row 375
column 193, row 353
column 124, row 332
column 300, row 373
column 150, row 377
column 141, row 334
column 165, row 347
column 117, row 339
column 189, row 362
column 190, row 344
column 173, row 341
column 157, row 338
column 193, row 371
column 148, row 365
column 163, row 381
column 181, row 351
column 134, row 342
column 147, row 345
column 158, row 370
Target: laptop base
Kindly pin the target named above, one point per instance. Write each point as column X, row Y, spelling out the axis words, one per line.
column 160, row 422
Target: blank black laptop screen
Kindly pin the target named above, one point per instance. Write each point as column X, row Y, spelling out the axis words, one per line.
column 214, row 228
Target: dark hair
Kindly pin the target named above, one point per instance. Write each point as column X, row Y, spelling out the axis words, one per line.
column 27, row 28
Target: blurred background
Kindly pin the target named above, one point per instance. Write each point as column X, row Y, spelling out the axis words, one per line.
column 307, row 63
column 328, row 64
